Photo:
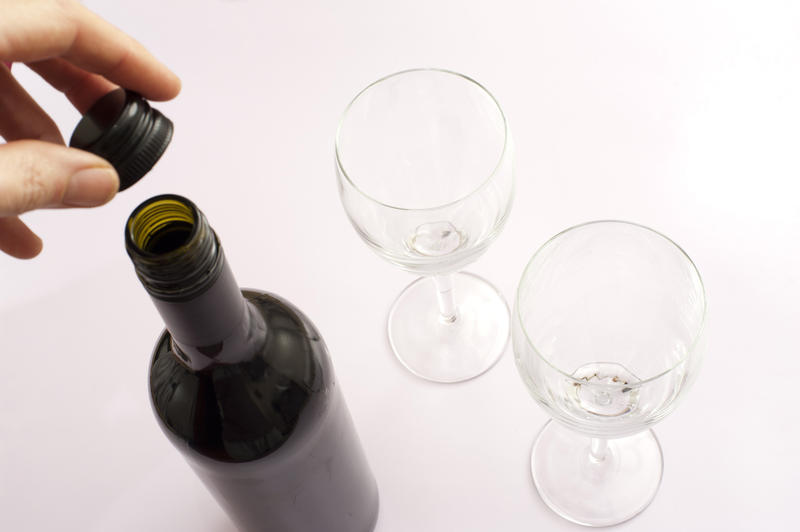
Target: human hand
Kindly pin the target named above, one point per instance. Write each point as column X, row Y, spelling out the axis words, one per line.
column 84, row 57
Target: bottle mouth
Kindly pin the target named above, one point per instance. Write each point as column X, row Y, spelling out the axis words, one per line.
column 175, row 252
column 161, row 226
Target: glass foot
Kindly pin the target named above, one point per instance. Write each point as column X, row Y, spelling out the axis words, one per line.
column 591, row 492
column 438, row 350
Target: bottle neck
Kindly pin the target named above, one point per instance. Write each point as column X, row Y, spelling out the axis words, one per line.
column 217, row 326
column 180, row 263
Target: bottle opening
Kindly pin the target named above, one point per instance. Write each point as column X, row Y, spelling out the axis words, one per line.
column 175, row 252
column 162, row 226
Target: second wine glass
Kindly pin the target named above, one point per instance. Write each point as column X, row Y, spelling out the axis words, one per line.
column 608, row 336
column 424, row 161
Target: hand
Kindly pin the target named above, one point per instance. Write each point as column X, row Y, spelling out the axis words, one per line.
column 84, row 57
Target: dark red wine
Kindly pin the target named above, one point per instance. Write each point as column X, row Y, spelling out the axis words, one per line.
column 242, row 384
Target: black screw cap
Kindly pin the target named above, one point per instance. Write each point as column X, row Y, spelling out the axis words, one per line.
column 122, row 128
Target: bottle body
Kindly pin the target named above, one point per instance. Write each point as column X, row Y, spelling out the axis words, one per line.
column 242, row 384
column 270, row 437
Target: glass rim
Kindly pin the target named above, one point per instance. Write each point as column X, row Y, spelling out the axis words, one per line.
column 492, row 174
column 638, row 384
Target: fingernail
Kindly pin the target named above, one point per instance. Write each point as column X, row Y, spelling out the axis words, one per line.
column 91, row 187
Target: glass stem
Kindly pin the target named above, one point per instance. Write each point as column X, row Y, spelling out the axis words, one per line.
column 598, row 449
column 444, row 293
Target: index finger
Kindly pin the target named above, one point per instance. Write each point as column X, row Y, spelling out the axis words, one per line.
column 33, row 30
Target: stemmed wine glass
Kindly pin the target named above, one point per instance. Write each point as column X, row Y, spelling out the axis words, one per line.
column 607, row 334
column 423, row 159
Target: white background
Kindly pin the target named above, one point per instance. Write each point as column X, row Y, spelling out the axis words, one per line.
column 683, row 116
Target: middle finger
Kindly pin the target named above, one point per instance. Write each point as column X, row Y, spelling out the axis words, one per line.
column 20, row 115
column 82, row 88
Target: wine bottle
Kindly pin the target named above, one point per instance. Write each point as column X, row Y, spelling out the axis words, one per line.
column 242, row 384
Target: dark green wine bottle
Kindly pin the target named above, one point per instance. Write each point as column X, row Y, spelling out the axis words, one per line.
column 242, row 384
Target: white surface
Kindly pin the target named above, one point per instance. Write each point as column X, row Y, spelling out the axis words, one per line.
column 682, row 116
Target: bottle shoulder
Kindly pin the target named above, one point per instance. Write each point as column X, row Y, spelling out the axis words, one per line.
column 245, row 411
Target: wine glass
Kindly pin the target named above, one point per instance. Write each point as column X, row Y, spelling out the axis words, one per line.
column 423, row 160
column 607, row 334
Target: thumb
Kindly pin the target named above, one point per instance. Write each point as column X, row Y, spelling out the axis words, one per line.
column 36, row 174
